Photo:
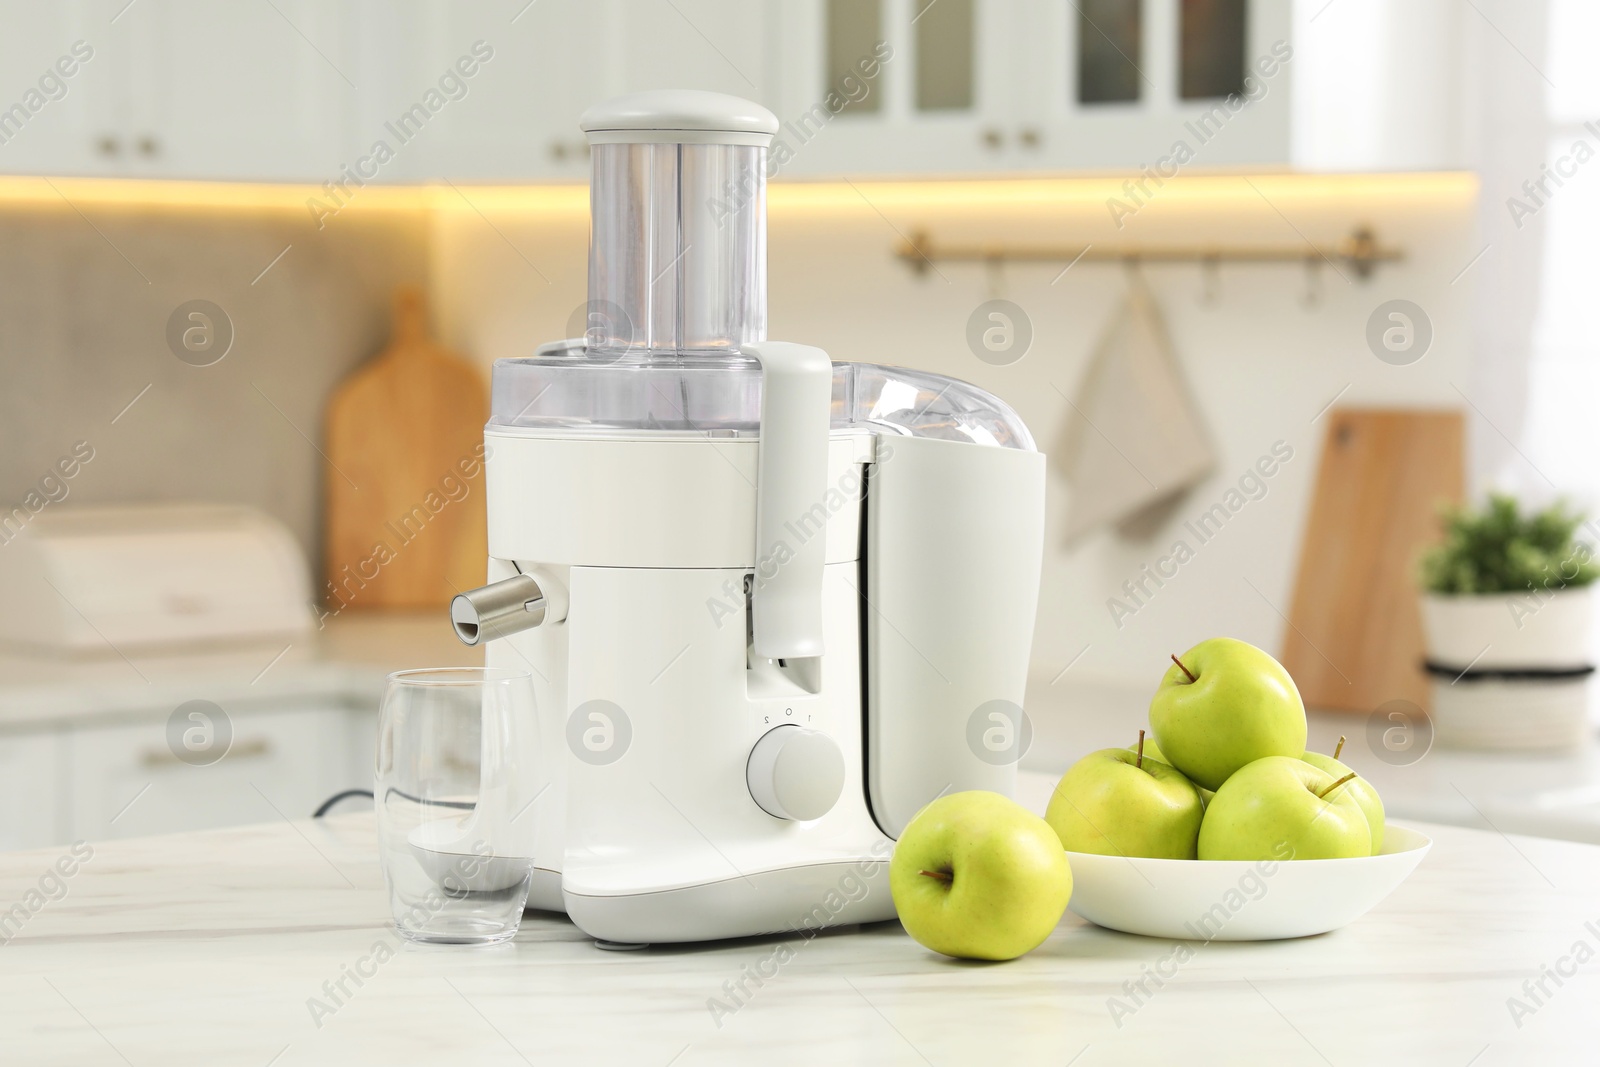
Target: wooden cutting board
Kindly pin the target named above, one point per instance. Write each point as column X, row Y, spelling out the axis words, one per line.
column 1355, row 629
column 405, row 512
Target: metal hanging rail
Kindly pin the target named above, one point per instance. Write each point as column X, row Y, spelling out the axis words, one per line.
column 1360, row 252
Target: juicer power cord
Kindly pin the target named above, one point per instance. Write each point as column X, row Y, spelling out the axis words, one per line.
column 327, row 805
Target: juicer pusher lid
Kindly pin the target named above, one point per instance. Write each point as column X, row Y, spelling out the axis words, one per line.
column 679, row 116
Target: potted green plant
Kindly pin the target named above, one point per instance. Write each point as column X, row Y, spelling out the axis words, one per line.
column 1507, row 612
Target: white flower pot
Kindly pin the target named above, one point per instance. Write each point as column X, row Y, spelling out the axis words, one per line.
column 1478, row 644
column 1510, row 631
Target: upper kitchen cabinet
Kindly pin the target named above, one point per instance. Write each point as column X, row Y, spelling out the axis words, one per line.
column 974, row 86
column 263, row 91
column 178, row 88
column 491, row 90
column 507, row 82
column 900, row 86
column 1158, row 83
column 518, row 116
column 54, row 111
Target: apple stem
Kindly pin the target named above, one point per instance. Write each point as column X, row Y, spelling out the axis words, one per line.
column 1138, row 760
column 1324, row 794
column 943, row 876
column 1339, row 747
column 1182, row 668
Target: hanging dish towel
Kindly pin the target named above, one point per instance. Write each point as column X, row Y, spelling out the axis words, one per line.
column 1134, row 443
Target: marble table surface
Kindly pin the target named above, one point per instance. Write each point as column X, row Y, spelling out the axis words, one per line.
column 219, row 947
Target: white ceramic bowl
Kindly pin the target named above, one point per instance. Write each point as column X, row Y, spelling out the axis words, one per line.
column 1236, row 900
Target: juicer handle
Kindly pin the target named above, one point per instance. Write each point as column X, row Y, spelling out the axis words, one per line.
column 791, row 487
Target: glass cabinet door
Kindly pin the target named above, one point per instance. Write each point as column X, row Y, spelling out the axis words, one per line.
column 916, row 86
column 1124, row 83
column 995, row 86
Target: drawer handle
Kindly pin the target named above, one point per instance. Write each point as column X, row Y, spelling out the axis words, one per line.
column 252, row 748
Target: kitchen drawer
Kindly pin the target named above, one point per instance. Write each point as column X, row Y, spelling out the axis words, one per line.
column 361, row 747
column 126, row 781
column 33, row 810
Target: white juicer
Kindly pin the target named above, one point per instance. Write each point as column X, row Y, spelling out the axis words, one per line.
column 772, row 605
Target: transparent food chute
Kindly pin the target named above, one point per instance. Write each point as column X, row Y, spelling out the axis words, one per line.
column 677, row 284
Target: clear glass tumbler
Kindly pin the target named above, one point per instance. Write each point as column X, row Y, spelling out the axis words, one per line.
column 455, row 830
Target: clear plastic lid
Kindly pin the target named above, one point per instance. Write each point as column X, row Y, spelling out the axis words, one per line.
column 567, row 389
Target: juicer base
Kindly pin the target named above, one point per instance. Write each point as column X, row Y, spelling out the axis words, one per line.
column 801, row 900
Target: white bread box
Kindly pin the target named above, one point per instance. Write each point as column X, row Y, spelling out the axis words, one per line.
column 107, row 579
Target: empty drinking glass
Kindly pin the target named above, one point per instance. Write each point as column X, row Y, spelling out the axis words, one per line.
column 455, row 832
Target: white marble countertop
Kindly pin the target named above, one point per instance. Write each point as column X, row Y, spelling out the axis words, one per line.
column 209, row 948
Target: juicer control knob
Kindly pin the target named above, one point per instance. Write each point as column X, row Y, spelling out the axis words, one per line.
column 795, row 773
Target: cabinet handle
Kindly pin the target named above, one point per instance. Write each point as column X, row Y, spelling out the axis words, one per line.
column 149, row 147
column 108, row 146
column 251, row 748
column 1029, row 137
column 560, row 151
column 993, row 139
column 456, row 763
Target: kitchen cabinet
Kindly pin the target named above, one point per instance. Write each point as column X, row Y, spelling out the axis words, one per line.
column 57, row 88
column 1019, row 85
column 121, row 778
column 33, row 807
column 126, row 780
column 1094, row 107
column 299, row 90
column 180, row 88
column 999, row 86
column 899, row 86
column 246, row 91
column 516, row 115
column 518, row 118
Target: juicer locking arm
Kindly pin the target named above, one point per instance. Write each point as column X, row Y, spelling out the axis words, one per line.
column 791, row 486
column 490, row 611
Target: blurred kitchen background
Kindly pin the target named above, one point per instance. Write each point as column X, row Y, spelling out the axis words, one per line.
column 1272, row 280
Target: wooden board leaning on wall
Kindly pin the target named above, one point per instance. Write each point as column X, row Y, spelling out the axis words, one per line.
column 1354, row 640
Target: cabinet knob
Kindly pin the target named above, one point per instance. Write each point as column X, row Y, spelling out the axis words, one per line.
column 993, row 139
column 1029, row 137
column 561, row 151
column 108, row 146
column 148, row 146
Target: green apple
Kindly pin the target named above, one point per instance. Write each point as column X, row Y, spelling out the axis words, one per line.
column 978, row 876
column 1224, row 704
column 1282, row 808
column 1114, row 804
column 1152, row 751
column 1358, row 787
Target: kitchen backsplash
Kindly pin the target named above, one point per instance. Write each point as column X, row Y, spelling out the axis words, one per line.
column 93, row 312
column 1264, row 348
